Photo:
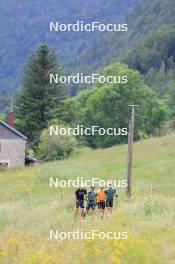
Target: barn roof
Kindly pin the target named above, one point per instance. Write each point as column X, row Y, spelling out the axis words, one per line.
column 13, row 130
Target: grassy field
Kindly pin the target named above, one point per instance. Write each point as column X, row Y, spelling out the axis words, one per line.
column 29, row 209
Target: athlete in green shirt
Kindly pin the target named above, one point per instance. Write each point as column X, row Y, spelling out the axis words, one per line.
column 92, row 200
column 110, row 192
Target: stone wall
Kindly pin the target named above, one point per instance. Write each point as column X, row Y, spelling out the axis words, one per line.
column 13, row 151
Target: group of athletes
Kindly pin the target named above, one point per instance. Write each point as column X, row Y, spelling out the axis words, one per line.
column 102, row 198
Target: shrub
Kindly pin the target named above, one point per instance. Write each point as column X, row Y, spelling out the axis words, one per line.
column 55, row 147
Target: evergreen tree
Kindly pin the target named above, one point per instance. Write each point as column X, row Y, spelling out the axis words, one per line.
column 38, row 98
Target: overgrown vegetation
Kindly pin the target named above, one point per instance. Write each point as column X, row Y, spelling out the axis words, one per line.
column 56, row 147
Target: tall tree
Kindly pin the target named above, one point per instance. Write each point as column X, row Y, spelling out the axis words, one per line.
column 38, row 98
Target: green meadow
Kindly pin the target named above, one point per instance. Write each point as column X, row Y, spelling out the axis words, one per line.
column 29, row 208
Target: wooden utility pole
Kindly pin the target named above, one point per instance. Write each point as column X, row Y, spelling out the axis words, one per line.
column 130, row 151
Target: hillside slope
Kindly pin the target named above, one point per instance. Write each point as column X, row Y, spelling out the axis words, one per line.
column 24, row 26
column 148, row 16
column 29, row 209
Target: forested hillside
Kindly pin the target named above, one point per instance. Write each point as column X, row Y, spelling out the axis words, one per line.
column 149, row 16
column 154, row 57
column 150, row 23
column 25, row 25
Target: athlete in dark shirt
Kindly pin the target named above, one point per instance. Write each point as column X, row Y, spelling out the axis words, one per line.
column 80, row 196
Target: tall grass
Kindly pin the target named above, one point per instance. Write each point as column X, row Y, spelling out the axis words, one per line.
column 29, row 208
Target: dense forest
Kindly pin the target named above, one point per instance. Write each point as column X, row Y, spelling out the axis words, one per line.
column 156, row 62
column 147, row 47
column 149, row 16
column 25, row 26
column 90, row 52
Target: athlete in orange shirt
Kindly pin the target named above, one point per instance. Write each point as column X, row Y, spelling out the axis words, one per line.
column 101, row 196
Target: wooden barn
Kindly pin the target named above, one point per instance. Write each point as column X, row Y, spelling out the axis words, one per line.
column 12, row 144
